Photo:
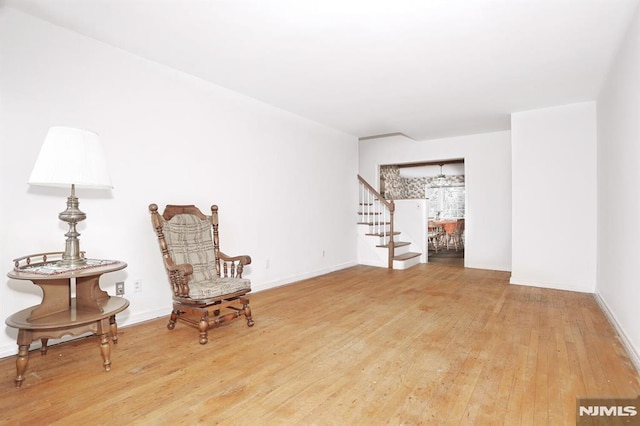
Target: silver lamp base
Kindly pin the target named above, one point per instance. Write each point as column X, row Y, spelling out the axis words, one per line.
column 72, row 215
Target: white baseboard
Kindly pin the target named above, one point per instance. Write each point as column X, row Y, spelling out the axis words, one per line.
column 554, row 286
column 127, row 320
column 626, row 343
column 295, row 278
column 377, row 264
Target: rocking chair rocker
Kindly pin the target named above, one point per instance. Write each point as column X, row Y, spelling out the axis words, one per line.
column 205, row 281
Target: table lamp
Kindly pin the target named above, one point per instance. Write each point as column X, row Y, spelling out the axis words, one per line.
column 71, row 157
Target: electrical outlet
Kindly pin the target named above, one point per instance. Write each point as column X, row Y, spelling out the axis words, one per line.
column 137, row 286
column 120, row 288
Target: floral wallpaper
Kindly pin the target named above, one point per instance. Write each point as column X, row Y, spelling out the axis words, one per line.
column 396, row 187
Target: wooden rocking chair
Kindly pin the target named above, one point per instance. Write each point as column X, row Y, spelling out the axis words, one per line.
column 205, row 281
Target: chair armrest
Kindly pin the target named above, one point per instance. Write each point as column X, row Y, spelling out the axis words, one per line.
column 243, row 259
column 232, row 266
column 179, row 277
column 185, row 268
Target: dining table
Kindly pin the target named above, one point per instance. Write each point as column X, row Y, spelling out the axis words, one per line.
column 449, row 226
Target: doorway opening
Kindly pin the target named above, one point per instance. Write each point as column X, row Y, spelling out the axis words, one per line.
column 442, row 182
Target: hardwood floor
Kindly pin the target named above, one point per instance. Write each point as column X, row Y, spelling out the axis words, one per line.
column 433, row 344
column 447, row 257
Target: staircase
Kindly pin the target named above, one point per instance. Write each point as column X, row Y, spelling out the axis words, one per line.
column 379, row 243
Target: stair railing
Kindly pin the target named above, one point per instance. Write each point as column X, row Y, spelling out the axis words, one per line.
column 378, row 220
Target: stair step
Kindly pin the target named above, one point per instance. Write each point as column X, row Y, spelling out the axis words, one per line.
column 374, row 223
column 396, row 245
column 382, row 234
column 407, row 256
column 369, row 213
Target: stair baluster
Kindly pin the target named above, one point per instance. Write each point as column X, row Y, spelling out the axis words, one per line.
column 368, row 199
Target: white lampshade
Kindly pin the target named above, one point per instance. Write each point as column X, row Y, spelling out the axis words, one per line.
column 71, row 156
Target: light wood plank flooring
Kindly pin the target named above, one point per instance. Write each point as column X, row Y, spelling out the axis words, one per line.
column 434, row 344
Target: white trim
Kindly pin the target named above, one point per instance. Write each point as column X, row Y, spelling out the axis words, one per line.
column 626, row 343
column 278, row 283
column 554, row 286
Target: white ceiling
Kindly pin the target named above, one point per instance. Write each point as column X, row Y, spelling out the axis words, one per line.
column 425, row 68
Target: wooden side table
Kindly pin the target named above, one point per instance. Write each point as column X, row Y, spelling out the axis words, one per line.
column 59, row 314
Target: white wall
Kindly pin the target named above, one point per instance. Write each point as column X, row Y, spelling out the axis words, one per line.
column 618, row 186
column 554, row 206
column 286, row 186
column 411, row 219
column 487, row 160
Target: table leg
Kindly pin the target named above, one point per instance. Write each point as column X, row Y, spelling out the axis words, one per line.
column 105, row 348
column 114, row 329
column 43, row 348
column 22, row 359
column 21, row 364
